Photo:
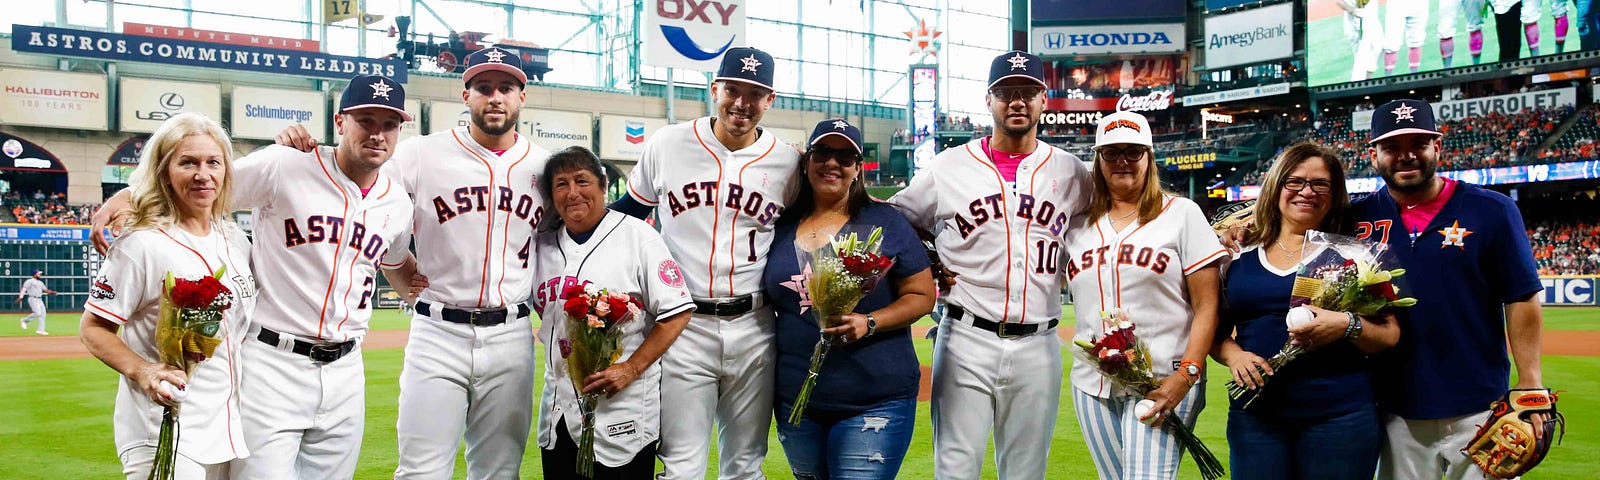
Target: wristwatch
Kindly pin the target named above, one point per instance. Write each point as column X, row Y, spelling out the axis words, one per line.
column 1190, row 370
column 872, row 326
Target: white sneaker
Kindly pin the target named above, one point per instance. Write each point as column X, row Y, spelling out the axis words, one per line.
column 42, row 332
column 24, row 324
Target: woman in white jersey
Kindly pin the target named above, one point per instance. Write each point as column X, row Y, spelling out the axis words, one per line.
column 179, row 225
column 1151, row 254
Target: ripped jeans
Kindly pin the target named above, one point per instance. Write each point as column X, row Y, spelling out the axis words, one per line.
column 870, row 445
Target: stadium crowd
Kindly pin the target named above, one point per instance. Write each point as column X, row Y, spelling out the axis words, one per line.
column 46, row 209
column 1566, row 247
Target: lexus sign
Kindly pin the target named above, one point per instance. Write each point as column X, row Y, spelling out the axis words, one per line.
column 1109, row 39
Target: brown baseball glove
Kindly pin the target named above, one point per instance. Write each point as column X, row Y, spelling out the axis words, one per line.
column 1505, row 446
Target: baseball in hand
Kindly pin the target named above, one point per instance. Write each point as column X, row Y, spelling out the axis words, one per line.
column 1298, row 316
column 176, row 393
column 1145, row 410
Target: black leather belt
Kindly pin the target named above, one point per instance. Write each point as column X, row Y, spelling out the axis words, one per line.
column 726, row 307
column 1004, row 330
column 318, row 352
column 480, row 318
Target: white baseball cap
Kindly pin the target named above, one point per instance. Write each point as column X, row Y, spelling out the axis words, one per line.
column 1123, row 127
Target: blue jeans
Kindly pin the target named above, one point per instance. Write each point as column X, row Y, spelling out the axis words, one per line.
column 869, row 445
column 1344, row 447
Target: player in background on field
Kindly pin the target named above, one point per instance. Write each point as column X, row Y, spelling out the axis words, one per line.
column 1448, row 11
column 33, row 290
column 1466, row 254
column 717, row 185
column 1003, row 201
column 1405, row 21
column 1532, row 10
column 1365, row 33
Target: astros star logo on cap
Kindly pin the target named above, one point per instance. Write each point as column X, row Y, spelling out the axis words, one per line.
column 1018, row 62
column 750, row 63
column 380, row 89
column 495, row 55
column 1403, row 112
column 839, row 124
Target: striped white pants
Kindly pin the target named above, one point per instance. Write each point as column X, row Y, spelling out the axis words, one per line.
column 1124, row 449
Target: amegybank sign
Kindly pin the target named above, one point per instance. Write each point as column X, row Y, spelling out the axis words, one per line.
column 1251, row 36
column 1109, row 39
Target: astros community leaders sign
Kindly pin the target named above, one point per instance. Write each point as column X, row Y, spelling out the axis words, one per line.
column 172, row 51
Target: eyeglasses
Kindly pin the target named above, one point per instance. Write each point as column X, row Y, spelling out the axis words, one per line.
column 843, row 156
column 1296, row 184
column 1008, row 94
column 1121, row 155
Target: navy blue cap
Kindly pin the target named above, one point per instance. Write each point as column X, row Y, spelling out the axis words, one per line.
column 837, row 126
column 1402, row 117
column 494, row 59
column 374, row 91
column 748, row 65
column 1016, row 64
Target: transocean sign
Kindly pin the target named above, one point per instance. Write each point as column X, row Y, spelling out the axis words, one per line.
column 172, row 51
column 1109, row 39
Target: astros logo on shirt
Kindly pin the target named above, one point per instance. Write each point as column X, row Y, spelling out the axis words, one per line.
column 1454, row 236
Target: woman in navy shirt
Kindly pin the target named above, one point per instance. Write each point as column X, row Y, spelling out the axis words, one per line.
column 859, row 420
column 1317, row 418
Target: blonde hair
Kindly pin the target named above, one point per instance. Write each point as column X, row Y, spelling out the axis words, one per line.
column 1269, row 219
column 154, row 202
column 1150, row 199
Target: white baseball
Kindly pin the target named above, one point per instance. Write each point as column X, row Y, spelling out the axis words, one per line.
column 173, row 391
column 1145, row 410
column 1298, row 316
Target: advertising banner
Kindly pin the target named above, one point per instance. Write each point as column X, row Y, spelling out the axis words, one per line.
column 17, row 153
column 1141, row 38
column 554, row 129
column 1251, row 36
column 1091, row 78
column 1150, row 102
column 691, row 34
column 1236, row 94
column 213, row 36
column 412, row 128
column 144, row 103
column 56, row 232
column 1568, row 290
column 44, row 98
column 1221, row 4
column 1190, row 161
column 622, row 137
column 1504, row 104
column 1361, row 120
column 260, row 113
column 1062, row 11
column 193, row 53
column 127, row 153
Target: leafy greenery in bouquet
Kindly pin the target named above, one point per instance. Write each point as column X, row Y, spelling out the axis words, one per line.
column 839, row 275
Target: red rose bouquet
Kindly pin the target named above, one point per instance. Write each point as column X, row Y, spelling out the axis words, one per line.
column 186, row 334
column 837, row 277
column 1122, row 357
column 595, row 320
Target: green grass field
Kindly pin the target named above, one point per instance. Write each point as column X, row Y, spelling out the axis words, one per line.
column 57, row 417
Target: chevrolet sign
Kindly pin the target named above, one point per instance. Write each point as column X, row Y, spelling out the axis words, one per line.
column 1109, row 39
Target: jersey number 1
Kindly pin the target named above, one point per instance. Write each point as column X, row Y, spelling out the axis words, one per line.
column 1047, row 257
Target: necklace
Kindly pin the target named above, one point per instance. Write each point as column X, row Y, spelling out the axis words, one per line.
column 1289, row 254
column 1125, row 216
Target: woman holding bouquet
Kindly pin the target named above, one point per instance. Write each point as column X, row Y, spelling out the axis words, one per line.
column 179, row 227
column 1317, row 417
column 586, row 247
column 1151, row 255
column 858, row 421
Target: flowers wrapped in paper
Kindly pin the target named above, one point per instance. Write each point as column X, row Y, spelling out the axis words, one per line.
column 187, row 331
column 1347, row 275
column 1122, row 357
column 595, row 330
column 837, row 276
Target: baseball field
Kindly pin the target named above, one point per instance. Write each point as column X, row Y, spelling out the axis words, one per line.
column 55, row 407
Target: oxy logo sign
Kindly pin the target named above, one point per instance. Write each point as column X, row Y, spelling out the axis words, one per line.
column 692, row 33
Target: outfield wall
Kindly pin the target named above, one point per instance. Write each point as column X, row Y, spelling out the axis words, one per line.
column 1570, row 290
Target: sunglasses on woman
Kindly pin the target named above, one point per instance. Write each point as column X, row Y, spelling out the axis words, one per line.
column 843, row 156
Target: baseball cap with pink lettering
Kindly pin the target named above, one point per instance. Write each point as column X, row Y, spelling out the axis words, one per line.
column 1123, row 127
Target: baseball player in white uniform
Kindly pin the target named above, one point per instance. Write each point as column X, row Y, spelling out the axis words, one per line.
column 1406, row 21
column 1145, row 252
column 33, row 290
column 1004, row 202
column 596, row 247
column 1448, row 11
column 1365, row 33
column 717, row 185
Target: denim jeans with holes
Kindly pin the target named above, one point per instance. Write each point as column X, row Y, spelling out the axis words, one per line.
column 870, row 445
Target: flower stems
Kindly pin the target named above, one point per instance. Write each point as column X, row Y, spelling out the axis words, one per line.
column 818, row 354
column 585, row 462
column 1210, row 467
column 163, row 465
column 1288, row 353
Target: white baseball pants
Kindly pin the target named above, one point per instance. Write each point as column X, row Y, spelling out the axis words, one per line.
column 137, row 462
column 301, row 419
column 1429, row 449
column 1124, row 448
column 1450, row 9
column 1405, row 21
column 35, row 305
column 983, row 382
column 1365, row 34
column 720, row 368
column 462, row 379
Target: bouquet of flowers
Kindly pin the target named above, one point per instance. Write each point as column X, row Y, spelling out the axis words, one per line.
column 186, row 334
column 1348, row 276
column 838, row 276
column 595, row 320
column 1122, row 357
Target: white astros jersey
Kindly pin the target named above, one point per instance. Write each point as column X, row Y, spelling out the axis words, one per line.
column 474, row 213
column 33, row 288
column 318, row 241
column 703, row 190
column 625, row 255
column 1141, row 270
column 1004, row 242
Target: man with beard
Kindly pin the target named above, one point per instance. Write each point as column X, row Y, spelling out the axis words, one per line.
column 1001, row 205
column 1477, row 291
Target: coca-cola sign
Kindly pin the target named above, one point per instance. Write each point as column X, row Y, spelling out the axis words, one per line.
column 1154, row 101
column 1157, row 100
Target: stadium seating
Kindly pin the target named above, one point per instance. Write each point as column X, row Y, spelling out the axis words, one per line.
column 1570, row 247
column 42, row 209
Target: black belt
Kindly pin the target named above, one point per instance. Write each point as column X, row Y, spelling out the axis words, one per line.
column 318, row 352
column 726, row 307
column 1004, row 330
column 480, row 318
